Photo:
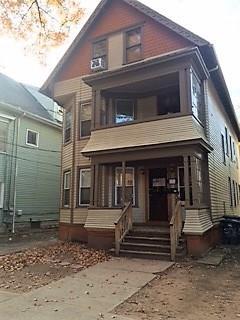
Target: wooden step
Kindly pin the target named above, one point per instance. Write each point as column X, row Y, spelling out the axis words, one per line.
column 147, row 239
column 145, row 247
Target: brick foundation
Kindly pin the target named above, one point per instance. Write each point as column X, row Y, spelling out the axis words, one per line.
column 70, row 232
column 103, row 239
column 197, row 245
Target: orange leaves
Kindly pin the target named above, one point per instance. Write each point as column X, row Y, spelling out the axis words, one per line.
column 42, row 24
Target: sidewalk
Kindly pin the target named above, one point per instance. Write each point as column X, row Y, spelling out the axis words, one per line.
column 88, row 295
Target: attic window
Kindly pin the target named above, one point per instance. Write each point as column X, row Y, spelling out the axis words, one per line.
column 100, row 50
column 133, row 45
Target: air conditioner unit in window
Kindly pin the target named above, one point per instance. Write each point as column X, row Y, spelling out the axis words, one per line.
column 97, row 64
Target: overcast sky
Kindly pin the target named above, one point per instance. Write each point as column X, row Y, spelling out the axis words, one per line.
column 218, row 21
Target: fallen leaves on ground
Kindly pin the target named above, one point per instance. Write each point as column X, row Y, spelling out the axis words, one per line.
column 33, row 268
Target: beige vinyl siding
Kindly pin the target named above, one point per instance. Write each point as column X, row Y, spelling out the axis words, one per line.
column 197, row 221
column 65, row 216
column 67, row 87
column 77, row 89
column 145, row 134
column 218, row 172
column 102, row 218
column 80, row 215
column 115, row 51
column 146, row 107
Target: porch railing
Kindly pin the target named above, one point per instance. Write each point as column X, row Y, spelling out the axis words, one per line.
column 176, row 225
column 122, row 226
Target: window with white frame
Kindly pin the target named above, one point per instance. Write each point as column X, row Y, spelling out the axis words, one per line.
column 3, row 135
column 1, row 194
column 84, row 186
column 124, row 110
column 66, row 188
column 85, row 119
column 32, row 138
column 129, row 187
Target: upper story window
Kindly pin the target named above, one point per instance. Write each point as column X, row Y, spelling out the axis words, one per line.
column 67, row 126
column 85, row 120
column 231, row 147
column 133, row 45
column 3, row 135
column 100, row 52
column 196, row 96
column 223, row 149
column 226, row 139
column 168, row 101
column 32, row 138
column 124, row 110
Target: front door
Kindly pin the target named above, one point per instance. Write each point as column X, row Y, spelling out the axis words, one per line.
column 158, row 201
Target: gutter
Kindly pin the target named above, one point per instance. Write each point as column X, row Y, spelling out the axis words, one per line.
column 30, row 115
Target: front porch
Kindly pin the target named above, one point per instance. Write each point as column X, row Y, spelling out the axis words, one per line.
column 157, row 192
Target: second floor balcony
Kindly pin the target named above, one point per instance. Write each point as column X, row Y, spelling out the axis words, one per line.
column 148, row 103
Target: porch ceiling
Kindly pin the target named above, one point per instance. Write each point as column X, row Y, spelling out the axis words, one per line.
column 150, row 85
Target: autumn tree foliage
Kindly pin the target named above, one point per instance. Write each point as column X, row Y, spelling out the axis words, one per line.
column 41, row 24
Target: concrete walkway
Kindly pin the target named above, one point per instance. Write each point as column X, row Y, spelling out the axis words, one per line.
column 88, row 295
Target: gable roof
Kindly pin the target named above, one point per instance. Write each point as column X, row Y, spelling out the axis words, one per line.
column 206, row 49
column 15, row 94
column 195, row 39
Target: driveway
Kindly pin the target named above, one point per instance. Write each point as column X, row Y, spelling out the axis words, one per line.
column 87, row 295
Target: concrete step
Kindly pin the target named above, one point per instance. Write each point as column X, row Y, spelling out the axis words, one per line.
column 145, row 255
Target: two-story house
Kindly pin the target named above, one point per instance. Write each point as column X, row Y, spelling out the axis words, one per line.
column 30, row 158
column 150, row 134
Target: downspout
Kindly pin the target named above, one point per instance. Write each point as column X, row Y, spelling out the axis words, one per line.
column 16, row 173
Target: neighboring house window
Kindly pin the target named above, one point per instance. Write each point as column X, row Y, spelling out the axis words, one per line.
column 231, row 149
column 3, row 135
column 1, row 194
column 223, row 149
column 237, row 193
column 124, row 110
column 226, row 138
column 234, row 193
column 68, row 127
column 85, row 120
column 66, row 188
column 32, row 138
column 100, row 51
column 196, row 96
column 133, row 45
column 230, row 191
column 234, row 152
column 129, row 188
column 84, row 186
